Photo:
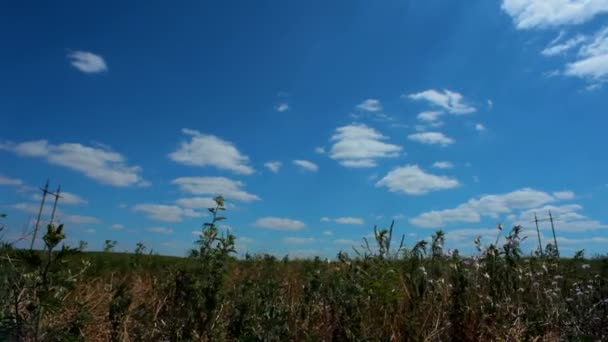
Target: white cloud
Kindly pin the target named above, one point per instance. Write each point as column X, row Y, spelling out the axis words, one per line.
column 459, row 236
column 431, row 138
column 273, row 166
column 320, row 150
column 490, row 104
column 486, row 205
column 480, row 127
column 209, row 150
column 430, row 116
column 554, row 48
column 346, row 242
column 165, row 213
column 451, row 101
column 592, row 63
column 563, row 195
column 325, row 219
column 160, row 230
column 412, row 180
column 328, row 233
column 282, row 107
column 70, row 198
column 65, row 198
column 196, row 202
column 117, row 226
column 349, row 220
column 306, row 165
column 101, row 164
column 215, row 186
column 443, row 165
column 87, row 62
column 279, row 223
column 298, row 240
column 529, row 14
column 10, row 181
column 359, row 146
column 566, row 218
column 77, row 219
column 583, row 241
column 370, row 105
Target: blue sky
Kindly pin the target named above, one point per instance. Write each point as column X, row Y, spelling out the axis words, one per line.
column 315, row 119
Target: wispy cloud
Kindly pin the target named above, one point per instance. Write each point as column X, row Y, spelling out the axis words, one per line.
column 165, row 213
column 87, row 62
column 359, row 146
column 279, row 223
column 160, row 230
column 450, row 101
column 480, row 127
column 298, row 240
column 196, row 202
column 529, row 14
column 443, row 165
column 431, row 138
column 10, row 181
column 215, row 186
column 370, row 105
column 306, row 165
column 349, row 220
column 273, row 166
column 412, row 180
column 282, row 107
column 99, row 163
column 209, row 150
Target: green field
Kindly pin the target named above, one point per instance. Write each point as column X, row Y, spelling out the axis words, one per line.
column 378, row 293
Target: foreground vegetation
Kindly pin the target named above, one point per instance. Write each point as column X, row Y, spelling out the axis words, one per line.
column 379, row 293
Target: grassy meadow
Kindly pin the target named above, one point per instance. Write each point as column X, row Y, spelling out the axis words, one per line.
column 380, row 291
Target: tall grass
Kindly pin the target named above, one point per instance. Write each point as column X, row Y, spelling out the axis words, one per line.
column 382, row 292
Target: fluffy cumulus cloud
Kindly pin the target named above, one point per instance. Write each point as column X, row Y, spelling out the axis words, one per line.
column 10, row 181
column 412, row 180
column 450, row 101
column 165, row 213
column 209, row 150
column 529, row 14
column 306, row 165
column 98, row 163
column 279, row 223
column 443, row 165
column 487, row 205
column 359, row 146
column 370, row 105
column 87, row 62
column 431, row 138
column 273, row 166
column 214, row 186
